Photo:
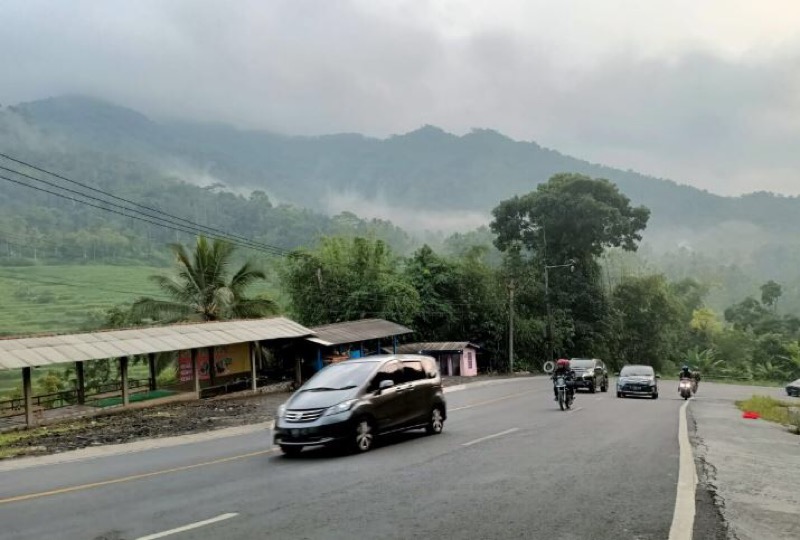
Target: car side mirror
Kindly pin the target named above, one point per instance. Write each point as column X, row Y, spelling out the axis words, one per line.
column 616, row 373
column 658, row 376
column 431, row 375
column 388, row 383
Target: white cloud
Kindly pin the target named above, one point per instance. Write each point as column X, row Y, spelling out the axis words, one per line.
column 703, row 92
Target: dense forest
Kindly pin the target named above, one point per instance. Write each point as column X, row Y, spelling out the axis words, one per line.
column 275, row 191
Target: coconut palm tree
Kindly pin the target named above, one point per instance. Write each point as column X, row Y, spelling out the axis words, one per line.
column 202, row 289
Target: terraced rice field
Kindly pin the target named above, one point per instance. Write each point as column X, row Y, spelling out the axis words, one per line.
column 45, row 299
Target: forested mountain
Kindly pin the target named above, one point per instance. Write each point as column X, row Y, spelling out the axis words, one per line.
column 208, row 173
column 427, row 169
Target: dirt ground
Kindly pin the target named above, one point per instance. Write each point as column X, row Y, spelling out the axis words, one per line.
column 164, row 420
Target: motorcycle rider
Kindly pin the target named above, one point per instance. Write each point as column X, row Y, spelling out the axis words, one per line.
column 687, row 373
column 562, row 370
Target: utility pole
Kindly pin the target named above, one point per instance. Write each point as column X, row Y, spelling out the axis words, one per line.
column 549, row 313
column 511, row 327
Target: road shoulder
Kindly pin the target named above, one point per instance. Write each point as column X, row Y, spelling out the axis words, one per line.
column 745, row 468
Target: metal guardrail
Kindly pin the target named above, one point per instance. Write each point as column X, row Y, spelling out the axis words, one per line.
column 64, row 398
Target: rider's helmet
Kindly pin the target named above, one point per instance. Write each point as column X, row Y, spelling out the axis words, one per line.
column 685, row 367
column 562, row 363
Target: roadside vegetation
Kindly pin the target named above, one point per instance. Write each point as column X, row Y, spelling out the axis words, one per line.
column 600, row 301
column 773, row 410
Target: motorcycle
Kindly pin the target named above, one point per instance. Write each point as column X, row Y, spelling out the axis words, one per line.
column 686, row 388
column 565, row 395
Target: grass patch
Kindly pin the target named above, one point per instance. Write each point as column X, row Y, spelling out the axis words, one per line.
column 142, row 396
column 773, row 410
column 15, row 443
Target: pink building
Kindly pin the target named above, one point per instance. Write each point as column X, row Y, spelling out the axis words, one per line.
column 455, row 358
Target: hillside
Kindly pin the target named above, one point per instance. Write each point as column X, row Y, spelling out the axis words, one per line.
column 423, row 179
column 425, row 170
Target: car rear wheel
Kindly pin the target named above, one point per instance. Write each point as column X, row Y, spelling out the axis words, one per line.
column 436, row 422
column 655, row 395
column 620, row 395
column 604, row 387
column 592, row 388
column 291, row 450
column 363, row 436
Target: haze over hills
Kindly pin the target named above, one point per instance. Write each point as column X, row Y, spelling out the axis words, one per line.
column 425, row 179
column 427, row 171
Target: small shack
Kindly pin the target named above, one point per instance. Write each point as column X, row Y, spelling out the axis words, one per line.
column 211, row 356
column 336, row 342
column 454, row 358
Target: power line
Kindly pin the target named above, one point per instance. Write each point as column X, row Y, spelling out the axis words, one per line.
column 168, row 223
column 266, row 247
column 139, row 218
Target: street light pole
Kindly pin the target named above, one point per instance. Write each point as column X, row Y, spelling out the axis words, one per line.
column 549, row 313
column 571, row 266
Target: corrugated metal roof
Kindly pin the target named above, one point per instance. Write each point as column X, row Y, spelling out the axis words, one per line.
column 434, row 346
column 42, row 351
column 355, row 331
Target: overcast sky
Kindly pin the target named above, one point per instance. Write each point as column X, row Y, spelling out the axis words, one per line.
column 704, row 92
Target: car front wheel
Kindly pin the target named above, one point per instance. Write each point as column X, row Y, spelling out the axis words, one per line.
column 363, row 435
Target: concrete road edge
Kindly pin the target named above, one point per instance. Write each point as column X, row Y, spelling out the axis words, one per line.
column 683, row 518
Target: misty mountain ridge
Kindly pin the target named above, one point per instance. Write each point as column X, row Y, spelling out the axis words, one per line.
column 427, row 172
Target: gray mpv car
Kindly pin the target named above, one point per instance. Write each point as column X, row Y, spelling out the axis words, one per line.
column 352, row 402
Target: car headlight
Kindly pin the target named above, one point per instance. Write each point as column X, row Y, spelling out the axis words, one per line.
column 281, row 410
column 344, row 406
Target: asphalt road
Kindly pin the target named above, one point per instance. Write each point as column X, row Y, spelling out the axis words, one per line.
column 508, row 465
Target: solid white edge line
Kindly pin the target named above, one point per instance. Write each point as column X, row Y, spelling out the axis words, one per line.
column 476, row 441
column 189, row 527
column 683, row 519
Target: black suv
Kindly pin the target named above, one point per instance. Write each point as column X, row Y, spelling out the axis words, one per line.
column 590, row 373
column 352, row 402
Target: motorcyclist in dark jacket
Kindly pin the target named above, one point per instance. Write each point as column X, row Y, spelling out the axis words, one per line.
column 685, row 373
column 563, row 370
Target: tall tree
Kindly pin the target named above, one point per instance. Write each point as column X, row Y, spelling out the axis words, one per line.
column 572, row 218
column 204, row 288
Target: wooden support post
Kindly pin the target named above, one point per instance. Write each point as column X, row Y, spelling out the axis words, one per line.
column 27, row 392
column 298, row 371
column 253, row 371
column 212, row 366
column 123, row 377
column 394, row 344
column 195, row 373
column 81, row 382
column 151, row 362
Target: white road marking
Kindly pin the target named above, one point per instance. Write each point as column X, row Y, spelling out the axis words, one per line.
column 189, row 527
column 683, row 519
column 476, row 441
column 576, row 410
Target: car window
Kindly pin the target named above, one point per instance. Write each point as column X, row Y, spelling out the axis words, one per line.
column 582, row 364
column 390, row 372
column 637, row 371
column 412, row 371
column 430, row 366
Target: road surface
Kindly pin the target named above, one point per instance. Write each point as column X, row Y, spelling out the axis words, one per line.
column 508, row 465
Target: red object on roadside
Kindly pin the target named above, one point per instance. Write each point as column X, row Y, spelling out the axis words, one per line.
column 750, row 415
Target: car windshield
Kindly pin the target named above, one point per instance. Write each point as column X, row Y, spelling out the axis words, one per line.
column 637, row 371
column 340, row 376
column 581, row 364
